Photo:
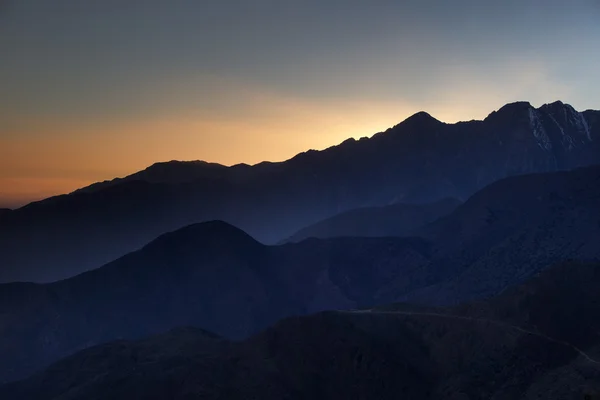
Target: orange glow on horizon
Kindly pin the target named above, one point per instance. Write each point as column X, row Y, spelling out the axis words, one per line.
column 51, row 156
column 69, row 155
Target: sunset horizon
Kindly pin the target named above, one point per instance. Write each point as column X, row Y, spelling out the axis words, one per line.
column 96, row 91
column 45, row 188
column 299, row 199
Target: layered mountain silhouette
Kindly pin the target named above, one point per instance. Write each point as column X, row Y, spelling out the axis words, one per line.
column 215, row 276
column 419, row 160
column 211, row 275
column 536, row 341
column 394, row 220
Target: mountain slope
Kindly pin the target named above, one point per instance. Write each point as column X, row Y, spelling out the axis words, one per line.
column 419, row 160
column 211, row 275
column 509, row 231
column 394, row 220
column 535, row 341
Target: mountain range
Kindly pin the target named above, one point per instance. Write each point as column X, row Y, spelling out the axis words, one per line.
column 417, row 161
column 214, row 276
column 526, row 343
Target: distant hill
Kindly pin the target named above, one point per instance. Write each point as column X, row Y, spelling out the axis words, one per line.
column 419, row 160
column 394, row 220
column 536, row 341
column 211, row 275
column 174, row 172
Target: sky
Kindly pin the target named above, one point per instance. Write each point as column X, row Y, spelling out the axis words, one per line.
column 95, row 89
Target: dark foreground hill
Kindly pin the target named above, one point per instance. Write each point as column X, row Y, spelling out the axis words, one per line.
column 418, row 160
column 211, row 275
column 393, row 220
column 537, row 341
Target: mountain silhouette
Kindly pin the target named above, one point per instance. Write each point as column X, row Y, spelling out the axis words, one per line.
column 215, row 276
column 394, row 220
column 419, row 160
column 211, row 275
column 538, row 340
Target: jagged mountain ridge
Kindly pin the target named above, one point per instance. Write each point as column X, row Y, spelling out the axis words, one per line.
column 543, row 122
column 418, row 160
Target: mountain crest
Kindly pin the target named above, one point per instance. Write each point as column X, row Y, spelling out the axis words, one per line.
column 563, row 116
column 556, row 103
column 420, row 118
column 209, row 234
column 510, row 110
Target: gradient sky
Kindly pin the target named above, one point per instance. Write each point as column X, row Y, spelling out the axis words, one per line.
column 94, row 89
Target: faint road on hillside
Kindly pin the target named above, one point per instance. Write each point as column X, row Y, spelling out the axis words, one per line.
column 473, row 319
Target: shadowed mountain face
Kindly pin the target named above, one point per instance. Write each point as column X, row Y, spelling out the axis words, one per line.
column 419, row 160
column 394, row 220
column 217, row 277
column 539, row 340
column 509, row 231
column 210, row 275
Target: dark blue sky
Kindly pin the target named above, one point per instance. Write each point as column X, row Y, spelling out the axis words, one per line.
column 94, row 89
